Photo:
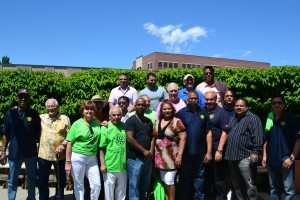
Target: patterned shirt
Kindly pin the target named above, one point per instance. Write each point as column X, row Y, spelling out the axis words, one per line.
column 245, row 137
column 54, row 132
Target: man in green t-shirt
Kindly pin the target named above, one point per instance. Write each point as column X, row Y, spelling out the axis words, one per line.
column 113, row 156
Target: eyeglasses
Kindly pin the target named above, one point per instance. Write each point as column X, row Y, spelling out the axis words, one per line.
column 209, row 73
column 277, row 102
column 91, row 130
column 123, row 103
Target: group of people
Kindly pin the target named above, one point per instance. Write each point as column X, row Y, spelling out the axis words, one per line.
column 197, row 139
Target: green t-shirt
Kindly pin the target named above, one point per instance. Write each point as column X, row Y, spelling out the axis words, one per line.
column 114, row 140
column 85, row 141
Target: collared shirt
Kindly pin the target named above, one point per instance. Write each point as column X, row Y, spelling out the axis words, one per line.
column 117, row 92
column 218, row 87
column 245, row 137
column 281, row 138
column 156, row 95
column 54, row 132
column 196, row 125
column 219, row 122
column 183, row 94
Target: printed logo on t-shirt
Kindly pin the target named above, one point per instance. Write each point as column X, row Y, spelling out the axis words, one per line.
column 202, row 116
column 120, row 140
column 29, row 119
column 282, row 123
column 211, row 116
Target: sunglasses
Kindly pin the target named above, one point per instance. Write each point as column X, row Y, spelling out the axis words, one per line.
column 91, row 130
column 277, row 102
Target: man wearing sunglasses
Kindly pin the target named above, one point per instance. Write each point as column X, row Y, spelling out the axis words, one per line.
column 280, row 149
column 211, row 84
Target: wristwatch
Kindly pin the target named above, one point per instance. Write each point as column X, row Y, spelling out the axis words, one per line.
column 292, row 159
column 64, row 145
column 220, row 151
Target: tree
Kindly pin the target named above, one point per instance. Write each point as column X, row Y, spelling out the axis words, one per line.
column 5, row 60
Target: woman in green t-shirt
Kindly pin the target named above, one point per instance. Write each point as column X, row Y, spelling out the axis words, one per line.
column 81, row 154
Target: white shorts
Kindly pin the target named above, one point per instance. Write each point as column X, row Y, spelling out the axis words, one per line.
column 168, row 176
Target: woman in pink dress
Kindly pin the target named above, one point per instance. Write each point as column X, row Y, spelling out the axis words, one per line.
column 169, row 146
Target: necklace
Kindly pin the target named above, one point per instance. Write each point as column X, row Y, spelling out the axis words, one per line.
column 20, row 115
column 144, row 123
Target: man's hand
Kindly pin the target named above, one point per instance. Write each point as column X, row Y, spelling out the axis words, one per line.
column 254, row 158
column 60, row 149
column 207, row 158
column 287, row 163
column 264, row 161
column 218, row 156
column 148, row 155
column 3, row 159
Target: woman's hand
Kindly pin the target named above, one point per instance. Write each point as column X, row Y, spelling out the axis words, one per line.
column 178, row 160
column 68, row 168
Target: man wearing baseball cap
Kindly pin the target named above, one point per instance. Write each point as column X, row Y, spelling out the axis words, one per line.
column 22, row 128
column 189, row 82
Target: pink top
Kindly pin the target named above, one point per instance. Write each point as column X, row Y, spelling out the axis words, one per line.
column 218, row 87
column 177, row 107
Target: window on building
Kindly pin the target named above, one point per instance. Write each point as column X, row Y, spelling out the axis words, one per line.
column 175, row 65
column 198, row 66
column 183, row 65
column 188, row 65
column 149, row 66
column 139, row 68
column 170, row 65
column 165, row 65
column 193, row 66
column 160, row 65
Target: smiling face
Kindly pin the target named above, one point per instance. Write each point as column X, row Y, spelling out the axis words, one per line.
column 115, row 115
column 151, row 81
column 147, row 99
column 240, row 108
column 189, row 83
column 88, row 113
column 228, row 97
column 123, row 81
column 140, row 105
column 52, row 109
column 23, row 101
column 167, row 111
column 278, row 105
column 208, row 76
column 210, row 100
column 173, row 93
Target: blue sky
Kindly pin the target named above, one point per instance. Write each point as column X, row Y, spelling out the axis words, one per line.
column 114, row 33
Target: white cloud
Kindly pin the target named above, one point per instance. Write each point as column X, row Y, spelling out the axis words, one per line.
column 218, row 55
column 246, row 53
column 174, row 37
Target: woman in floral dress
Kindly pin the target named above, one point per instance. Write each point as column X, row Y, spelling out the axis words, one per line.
column 169, row 146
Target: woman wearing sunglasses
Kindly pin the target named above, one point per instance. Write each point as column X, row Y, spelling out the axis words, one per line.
column 81, row 154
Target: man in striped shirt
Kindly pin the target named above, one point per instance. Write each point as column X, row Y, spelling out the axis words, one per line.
column 244, row 142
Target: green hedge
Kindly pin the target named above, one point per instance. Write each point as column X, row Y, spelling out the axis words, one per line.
column 255, row 84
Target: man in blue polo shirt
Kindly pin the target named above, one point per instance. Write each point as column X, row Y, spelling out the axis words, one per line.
column 280, row 149
column 198, row 150
column 22, row 128
column 215, row 176
column 189, row 82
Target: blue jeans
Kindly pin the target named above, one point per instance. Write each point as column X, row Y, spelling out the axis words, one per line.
column 279, row 175
column 243, row 174
column 14, row 172
column 192, row 170
column 139, row 175
column 43, row 178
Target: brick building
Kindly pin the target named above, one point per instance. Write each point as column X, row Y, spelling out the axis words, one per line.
column 157, row 61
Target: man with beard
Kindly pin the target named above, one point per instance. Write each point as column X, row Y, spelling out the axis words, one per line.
column 22, row 129
column 198, row 151
column 156, row 93
column 140, row 150
column 244, row 143
column 189, row 82
column 211, row 84
column 215, row 178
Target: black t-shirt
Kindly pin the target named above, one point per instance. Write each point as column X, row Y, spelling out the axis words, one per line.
column 143, row 133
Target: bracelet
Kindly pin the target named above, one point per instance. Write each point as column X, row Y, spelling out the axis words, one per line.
column 220, row 151
column 292, row 159
column 68, row 162
column 64, row 145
